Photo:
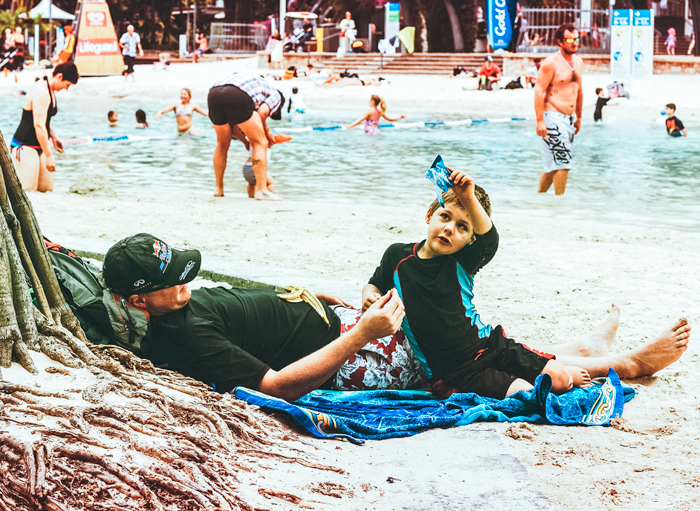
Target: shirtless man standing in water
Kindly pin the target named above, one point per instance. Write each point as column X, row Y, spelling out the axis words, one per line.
column 558, row 103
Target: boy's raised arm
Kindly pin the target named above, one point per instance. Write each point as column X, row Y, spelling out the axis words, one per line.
column 463, row 186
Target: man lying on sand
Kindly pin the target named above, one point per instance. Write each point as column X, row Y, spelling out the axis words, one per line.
column 435, row 281
column 255, row 338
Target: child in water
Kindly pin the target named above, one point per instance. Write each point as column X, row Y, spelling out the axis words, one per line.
column 601, row 101
column 296, row 102
column 377, row 109
column 674, row 126
column 112, row 117
column 141, row 119
column 249, row 175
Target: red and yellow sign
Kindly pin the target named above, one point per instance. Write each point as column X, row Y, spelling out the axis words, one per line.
column 98, row 47
column 96, row 18
column 97, row 50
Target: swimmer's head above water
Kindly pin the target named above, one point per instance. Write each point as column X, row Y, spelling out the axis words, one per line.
column 112, row 117
column 378, row 103
column 185, row 95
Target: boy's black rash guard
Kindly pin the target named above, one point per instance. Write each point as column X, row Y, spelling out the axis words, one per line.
column 441, row 321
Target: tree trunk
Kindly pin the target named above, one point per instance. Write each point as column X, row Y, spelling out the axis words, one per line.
column 39, row 255
column 455, row 25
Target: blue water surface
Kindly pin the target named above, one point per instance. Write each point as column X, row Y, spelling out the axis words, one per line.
column 624, row 170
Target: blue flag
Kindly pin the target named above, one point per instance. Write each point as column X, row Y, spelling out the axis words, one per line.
column 500, row 17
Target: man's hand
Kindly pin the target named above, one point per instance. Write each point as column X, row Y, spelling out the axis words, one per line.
column 51, row 163
column 577, row 126
column 332, row 300
column 542, row 128
column 383, row 317
column 58, row 145
column 462, row 183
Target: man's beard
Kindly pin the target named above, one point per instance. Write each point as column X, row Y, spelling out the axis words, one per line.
column 567, row 51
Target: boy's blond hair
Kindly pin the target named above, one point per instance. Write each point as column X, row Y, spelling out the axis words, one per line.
column 449, row 197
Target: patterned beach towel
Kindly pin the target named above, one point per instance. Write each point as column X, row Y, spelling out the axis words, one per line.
column 379, row 414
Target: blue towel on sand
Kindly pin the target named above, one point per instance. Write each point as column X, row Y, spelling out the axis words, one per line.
column 379, row 414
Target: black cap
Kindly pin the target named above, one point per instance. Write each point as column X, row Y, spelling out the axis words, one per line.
column 142, row 263
column 277, row 114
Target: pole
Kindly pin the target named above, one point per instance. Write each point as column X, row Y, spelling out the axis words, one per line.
column 37, row 58
column 194, row 26
column 49, row 55
column 283, row 15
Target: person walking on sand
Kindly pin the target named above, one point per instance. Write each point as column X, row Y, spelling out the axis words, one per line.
column 239, row 106
column 183, row 113
column 129, row 43
column 377, row 109
column 558, row 105
column 31, row 152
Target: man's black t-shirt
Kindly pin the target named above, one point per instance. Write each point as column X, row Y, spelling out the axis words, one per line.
column 441, row 321
column 598, row 114
column 232, row 337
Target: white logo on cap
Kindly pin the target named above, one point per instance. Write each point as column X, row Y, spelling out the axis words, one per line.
column 139, row 282
column 189, row 266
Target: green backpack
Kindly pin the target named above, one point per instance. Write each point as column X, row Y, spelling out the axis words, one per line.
column 105, row 317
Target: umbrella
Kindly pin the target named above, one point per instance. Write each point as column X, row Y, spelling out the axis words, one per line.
column 406, row 36
column 43, row 10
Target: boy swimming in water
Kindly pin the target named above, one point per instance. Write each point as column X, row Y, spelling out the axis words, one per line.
column 112, row 117
column 674, row 126
column 435, row 280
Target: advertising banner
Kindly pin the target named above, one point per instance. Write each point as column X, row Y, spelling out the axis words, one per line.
column 500, row 17
column 642, row 43
column 621, row 44
column 97, row 49
column 392, row 19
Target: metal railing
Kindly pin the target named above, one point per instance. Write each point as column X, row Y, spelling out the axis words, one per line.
column 238, row 37
column 539, row 26
column 673, row 8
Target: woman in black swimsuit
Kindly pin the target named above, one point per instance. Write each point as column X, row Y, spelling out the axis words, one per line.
column 31, row 152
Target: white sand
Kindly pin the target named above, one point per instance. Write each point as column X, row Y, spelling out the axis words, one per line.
column 553, row 278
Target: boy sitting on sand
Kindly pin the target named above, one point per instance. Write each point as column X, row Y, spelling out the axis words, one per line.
column 435, row 280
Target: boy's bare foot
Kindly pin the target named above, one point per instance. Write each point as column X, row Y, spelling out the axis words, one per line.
column 657, row 354
column 596, row 344
column 581, row 378
column 603, row 335
column 218, row 192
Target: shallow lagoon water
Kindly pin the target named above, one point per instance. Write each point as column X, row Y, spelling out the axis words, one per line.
column 625, row 170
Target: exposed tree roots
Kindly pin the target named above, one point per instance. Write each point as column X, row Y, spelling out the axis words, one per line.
column 157, row 449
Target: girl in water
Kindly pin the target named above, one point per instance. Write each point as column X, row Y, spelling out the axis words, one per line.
column 377, row 109
column 183, row 113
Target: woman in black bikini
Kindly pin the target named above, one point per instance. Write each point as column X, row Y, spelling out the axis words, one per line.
column 31, row 152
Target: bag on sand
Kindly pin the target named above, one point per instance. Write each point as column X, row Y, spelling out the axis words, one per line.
column 514, row 84
column 105, row 317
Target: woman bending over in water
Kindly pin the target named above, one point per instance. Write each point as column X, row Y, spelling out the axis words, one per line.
column 183, row 113
column 34, row 141
column 377, row 109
